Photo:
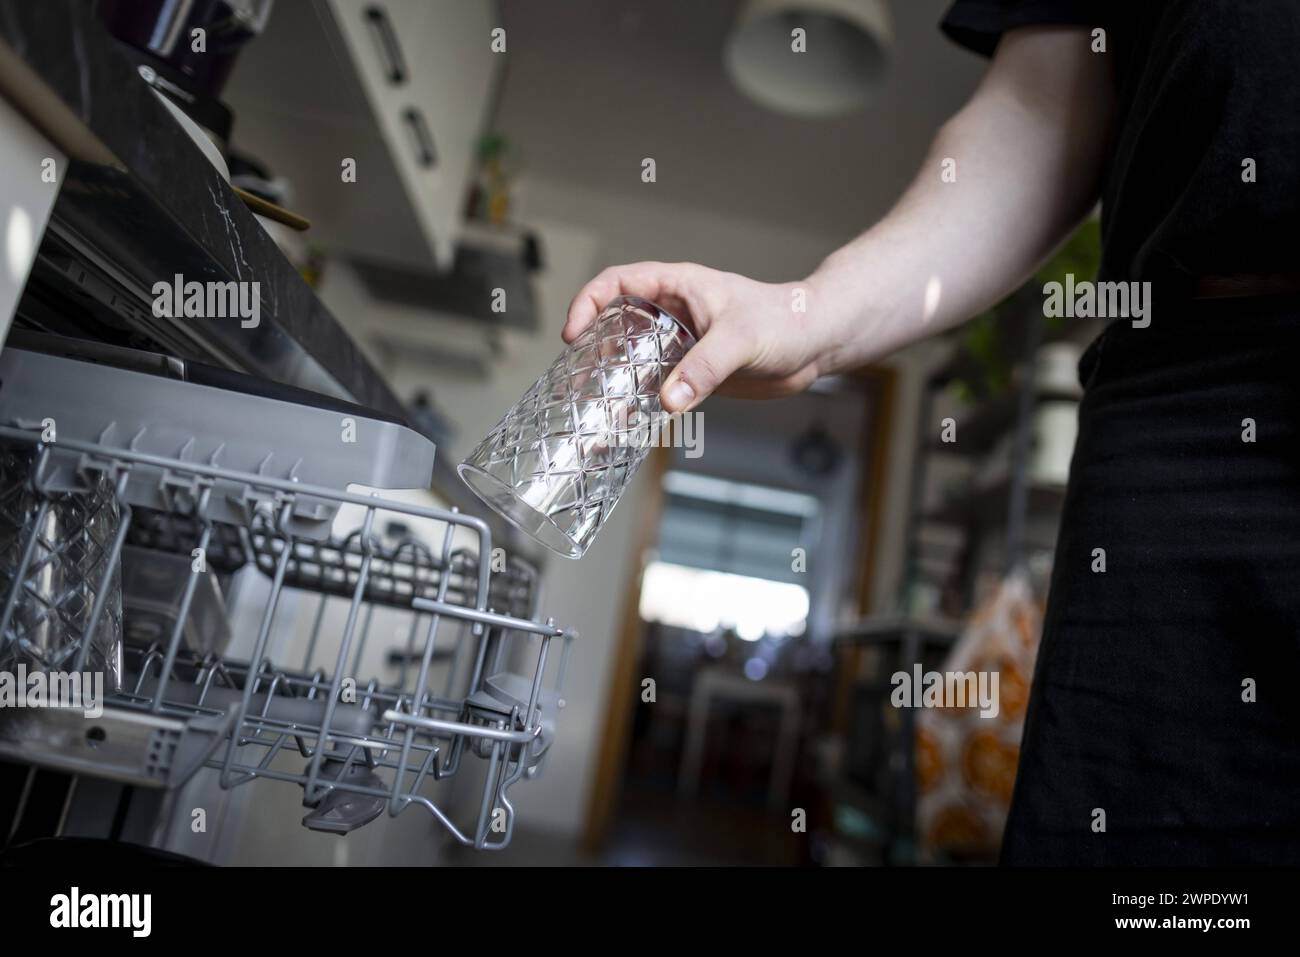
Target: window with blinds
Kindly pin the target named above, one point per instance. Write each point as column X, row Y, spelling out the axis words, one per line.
column 735, row 527
column 727, row 557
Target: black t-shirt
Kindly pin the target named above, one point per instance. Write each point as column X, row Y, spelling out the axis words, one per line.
column 1207, row 99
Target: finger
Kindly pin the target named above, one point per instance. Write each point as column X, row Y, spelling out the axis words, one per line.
column 591, row 298
column 703, row 369
column 663, row 283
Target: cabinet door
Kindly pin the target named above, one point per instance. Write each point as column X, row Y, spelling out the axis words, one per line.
column 428, row 69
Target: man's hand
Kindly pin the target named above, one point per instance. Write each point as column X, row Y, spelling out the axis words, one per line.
column 754, row 336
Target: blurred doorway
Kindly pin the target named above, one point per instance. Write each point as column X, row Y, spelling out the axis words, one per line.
column 727, row 683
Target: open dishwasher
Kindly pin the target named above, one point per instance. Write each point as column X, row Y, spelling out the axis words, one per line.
column 220, row 570
column 125, row 520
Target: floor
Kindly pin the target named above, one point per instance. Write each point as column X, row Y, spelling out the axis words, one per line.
column 655, row 830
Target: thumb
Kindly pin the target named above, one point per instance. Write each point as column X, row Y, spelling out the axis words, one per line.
column 704, row 367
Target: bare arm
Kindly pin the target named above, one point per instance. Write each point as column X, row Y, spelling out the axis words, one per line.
column 1028, row 151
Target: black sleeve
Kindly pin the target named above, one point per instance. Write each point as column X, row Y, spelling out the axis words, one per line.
column 979, row 24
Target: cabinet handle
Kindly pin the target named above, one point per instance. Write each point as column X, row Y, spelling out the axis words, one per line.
column 424, row 152
column 381, row 28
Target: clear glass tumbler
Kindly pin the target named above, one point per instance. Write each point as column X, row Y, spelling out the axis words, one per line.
column 69, row 563
column 557, row 462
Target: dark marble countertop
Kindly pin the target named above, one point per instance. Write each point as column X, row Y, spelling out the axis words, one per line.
column 140, row 197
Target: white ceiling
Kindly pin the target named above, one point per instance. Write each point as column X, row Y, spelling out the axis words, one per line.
column 594, row 86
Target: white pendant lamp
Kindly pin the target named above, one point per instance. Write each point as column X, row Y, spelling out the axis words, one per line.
column 832, row 67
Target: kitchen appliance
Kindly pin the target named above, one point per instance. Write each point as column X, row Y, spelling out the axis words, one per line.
column 186, row 49
column 557, row 462
column 165, row 29
column 316, row 623
column 356, row 746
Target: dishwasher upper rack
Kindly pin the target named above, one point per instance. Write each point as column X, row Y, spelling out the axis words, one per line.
column 401, row 570
column 375, row 751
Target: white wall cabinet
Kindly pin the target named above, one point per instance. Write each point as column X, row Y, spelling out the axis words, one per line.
column 403, row 87
column 427, row 68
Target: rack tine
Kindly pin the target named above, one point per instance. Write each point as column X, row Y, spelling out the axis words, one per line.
column 259, row 650
column 564, row 662
column 396, row 800
column 313, row 773
column 110, row 566
column 183, row 611
column 404, row 664
column 536, row 691
column 315, row 628
column 361, row 645
column 485, row 804
column 24, row 563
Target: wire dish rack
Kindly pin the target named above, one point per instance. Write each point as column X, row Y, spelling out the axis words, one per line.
column 358, row 748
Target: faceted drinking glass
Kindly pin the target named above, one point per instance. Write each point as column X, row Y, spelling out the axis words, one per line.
column 557, row 462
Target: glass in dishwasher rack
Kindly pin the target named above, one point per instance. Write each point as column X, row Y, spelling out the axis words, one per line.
column 377, row 664
column 558, row 461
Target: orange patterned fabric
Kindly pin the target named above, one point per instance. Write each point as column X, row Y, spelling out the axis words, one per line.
column 966, row 762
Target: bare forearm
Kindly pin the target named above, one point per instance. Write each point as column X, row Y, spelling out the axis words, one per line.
column 1005, row 181
column 1026, row 153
